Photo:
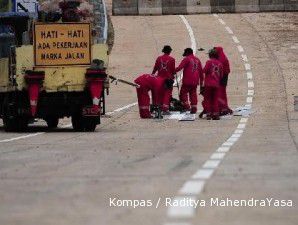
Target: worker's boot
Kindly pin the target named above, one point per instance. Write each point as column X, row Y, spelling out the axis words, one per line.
column 202, row 114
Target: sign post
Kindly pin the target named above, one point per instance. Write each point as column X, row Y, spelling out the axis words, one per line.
column 62, row 44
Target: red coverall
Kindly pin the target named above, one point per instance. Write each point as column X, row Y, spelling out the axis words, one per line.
column 165, row 66
column 192, row 74
column 223, row 100
column 148, row 83
column 213, row 71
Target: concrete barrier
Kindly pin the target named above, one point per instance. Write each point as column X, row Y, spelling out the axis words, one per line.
column 291, row 5
column 247, row 6
column 174, row 7
column 222, row 6
column 272, row 5
column 198, row 6
column 150, row 7
column 125, row 7
column 157, row 7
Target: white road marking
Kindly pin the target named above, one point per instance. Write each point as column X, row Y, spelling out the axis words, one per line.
column 211, row 164
column 244, row 58
column 229, row 30
column 247, row 66
column 218, row 155
column 177, row 224
column 249, row 99
column 250, row 84
column 223, row 149
column 203, row 174
column 192, row 187
column 249, row 75
column 240, row 48
column 21, row 137
column 195, row 185
column 192, row 41
column 250, row 92
column 181, row 211
column 235, row 39
column 237, row 131
column 222, row 22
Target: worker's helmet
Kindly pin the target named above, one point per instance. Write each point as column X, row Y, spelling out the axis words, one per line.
column 167, row 49
column 187, row 51
column 213, row 53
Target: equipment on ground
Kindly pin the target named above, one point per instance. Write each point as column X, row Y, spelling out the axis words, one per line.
column 123, row 81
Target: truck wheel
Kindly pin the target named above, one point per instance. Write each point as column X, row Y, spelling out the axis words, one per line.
column 52, row 122
column 90, row 126
column 77, row 122
column 11, row 122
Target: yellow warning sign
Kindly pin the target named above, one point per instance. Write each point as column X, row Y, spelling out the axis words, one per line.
column 60, row 44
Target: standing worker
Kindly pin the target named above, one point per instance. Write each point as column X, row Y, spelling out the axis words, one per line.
column 213, row 72
column 192, row 75
column 224, row 108
column 165, row 68
column 147, row 83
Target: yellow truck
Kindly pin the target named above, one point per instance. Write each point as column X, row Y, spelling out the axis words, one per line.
column 50, row 71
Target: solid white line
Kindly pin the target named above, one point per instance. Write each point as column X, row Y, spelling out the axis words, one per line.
column 228, row 143
column 64, row 126
column 235, row 39
column 177, row 224
column 215, row 15
column 211, row 164
column 21, row 137
column 236, row 135
column 193, row 187
column 203, row 174
column 229, row 30
column 240, row 48
column 233, row 139
column 248, row 106
column 249, row 75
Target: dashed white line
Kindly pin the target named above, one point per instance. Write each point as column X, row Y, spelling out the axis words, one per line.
column 249, row 75
column 203, row 173
column 250, row 84
column 211, row 164
column 240, row 48
column 192, row 187
column 247, row 66
column 229, row 30
column 223, row 149
column 181, row 211
column 250, row 92
column 222, row 22
column 235, row 39
column 244, row 58
column 218, row 155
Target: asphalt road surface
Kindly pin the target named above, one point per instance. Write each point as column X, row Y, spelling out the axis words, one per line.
column 67, row 178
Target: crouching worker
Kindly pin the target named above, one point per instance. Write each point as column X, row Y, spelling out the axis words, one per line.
column 213, row 72
column 192, row 74
column 147, row 83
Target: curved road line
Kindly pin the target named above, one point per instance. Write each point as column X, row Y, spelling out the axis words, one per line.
column 195, row 185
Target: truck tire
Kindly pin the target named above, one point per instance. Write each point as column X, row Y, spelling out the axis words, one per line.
column 11, row 121
column 52, row 122
column 77, row 122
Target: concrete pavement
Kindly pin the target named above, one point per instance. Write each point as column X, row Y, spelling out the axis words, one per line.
column 67, row 178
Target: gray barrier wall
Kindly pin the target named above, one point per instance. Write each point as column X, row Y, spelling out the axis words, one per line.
column 159, row 7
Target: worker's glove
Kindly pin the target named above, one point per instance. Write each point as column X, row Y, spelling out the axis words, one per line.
column 202, row 90
column 169, row 83
column 224, row 80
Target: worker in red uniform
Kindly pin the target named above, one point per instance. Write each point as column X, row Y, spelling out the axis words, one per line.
column 223, row 100
column 213, row 73
column 165, row 68
column 192, row 75
column 147, row 83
